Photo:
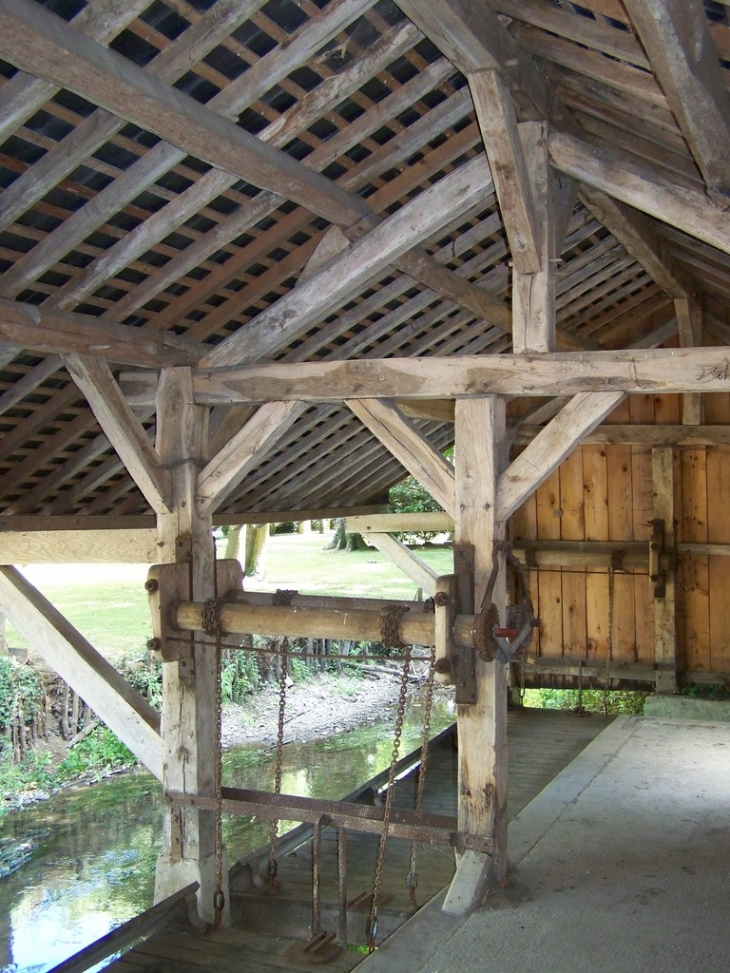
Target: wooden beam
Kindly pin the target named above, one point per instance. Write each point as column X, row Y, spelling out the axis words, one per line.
column 226, row 470
column 127, row 522
column 426, row 269
column 125, row 431
column 38, row 329
column 533, row 292
column 649, row 190
column 689, row 328
column 173, row 61
column 39, row 42
column 128, row 546
column 409, row 446
column 385, row 523
column 637, row 236
column 550, row 447
column 612, row 434
column 665, row 618
column 676, row 37
column 640, row 371
column 474, row 40
column 328, row 288
column 498, row 123
column 24, row 94
column 98, row 683
column 482, row 726
column 406, row 561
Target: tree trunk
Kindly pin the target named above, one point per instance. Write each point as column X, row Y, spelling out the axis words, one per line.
column 255, row 551
column 233, row 541
column 342, row 541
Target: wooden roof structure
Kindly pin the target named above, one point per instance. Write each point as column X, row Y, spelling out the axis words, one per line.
column 231, row 182
column 259, row 257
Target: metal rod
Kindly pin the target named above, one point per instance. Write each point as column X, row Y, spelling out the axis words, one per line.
column 317, row 875
column 435, row 829
column 342, row 886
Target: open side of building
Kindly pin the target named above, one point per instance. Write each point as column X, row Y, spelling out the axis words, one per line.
column 260, row 259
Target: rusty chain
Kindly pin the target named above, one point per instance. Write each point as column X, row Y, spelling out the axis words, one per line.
column 412, row 879
column 284, row 597
column 372, row 923
column 212, row 626
column 273, row 865
column 390, row 626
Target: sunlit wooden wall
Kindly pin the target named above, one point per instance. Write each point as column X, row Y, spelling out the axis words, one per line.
column 604, row 493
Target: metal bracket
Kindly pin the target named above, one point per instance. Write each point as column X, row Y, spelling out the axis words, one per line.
column 657, row 561
column 456, row 664
column 499, row 643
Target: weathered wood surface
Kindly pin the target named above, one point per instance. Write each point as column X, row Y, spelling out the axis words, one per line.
column 660, row 370
column 482, row 726
column 52, row 331
column 409, row 446
column 646, row 189
column 131, row 441
column 677, row 39
column 126, row 546
column 190, row 688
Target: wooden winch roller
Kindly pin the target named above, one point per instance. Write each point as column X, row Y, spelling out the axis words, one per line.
column 459, row 637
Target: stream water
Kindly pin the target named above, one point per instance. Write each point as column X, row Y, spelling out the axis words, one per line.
column 81, row 863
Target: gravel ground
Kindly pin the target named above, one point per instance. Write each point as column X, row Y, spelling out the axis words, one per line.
column 315, row 708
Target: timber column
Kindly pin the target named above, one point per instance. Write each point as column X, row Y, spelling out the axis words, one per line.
column 479, row 456
column 190, row 686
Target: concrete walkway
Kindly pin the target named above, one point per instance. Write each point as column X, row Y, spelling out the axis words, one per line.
column 621, row 865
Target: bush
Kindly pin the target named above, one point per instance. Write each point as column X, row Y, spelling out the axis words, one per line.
column 593, row 700
column 98, row 755
column 239, row 676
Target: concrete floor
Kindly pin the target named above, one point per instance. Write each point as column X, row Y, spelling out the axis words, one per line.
column 622, row 865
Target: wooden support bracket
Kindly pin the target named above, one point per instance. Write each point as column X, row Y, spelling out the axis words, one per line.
column 168, row 586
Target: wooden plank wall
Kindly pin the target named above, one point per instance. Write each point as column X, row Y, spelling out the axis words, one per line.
column 605, row 494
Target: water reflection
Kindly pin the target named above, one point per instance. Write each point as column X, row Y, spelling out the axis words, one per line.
column 86, row 858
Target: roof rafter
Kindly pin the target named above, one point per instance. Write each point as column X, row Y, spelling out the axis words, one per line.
column 60, row 332
column 35, row 40
column 643, row 187
column 676, row 37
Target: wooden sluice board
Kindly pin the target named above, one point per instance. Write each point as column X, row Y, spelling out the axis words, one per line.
column 268, row 931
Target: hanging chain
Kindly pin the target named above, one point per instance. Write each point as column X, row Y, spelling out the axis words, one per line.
column 273, row 865
column 372, row 923
column 609, row 639
column 412, row 880
column 212, row 626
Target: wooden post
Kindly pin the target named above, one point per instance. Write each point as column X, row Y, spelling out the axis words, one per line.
column 665, row 624
column 3, row 635
column 190, row 689
column 482, row 726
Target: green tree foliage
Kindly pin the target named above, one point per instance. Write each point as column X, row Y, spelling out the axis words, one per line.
column 409, row 497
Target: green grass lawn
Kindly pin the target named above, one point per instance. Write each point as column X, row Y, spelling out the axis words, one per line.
column 108, row 603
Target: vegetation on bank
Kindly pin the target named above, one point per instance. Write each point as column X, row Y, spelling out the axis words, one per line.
column 612, row 703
